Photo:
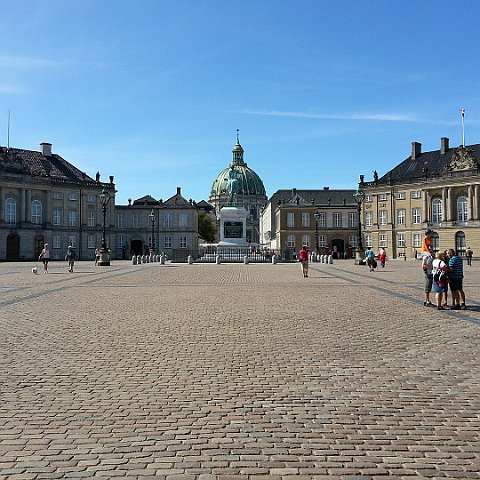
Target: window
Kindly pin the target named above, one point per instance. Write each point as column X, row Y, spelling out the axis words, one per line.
column 416, row 194
column 91, row 241
column 290, row 219
column 383, row 217
column 417, row 240
column 352, row 241
column 10, row 211
column 322, row 241
column 322, row 220
column 306, row 240
column 168, row 242
column 121, row 220
column 36, row 212
column 401, row 216
column 305, row 219
column 72, row 196
column 183, row 242
column 400, row 240
column 416, row 218
column 337, row 220
column 167, row 221
column 369, row 219
column 57, row 217
column 368, row 198
column 382, row 240
column 291, row 241
column 72, row 218
column 57, row 241
column 135, row 220
column 183, row 220
column 120, row 241
column 91, row 198
column 57, row 195
column 400, row 195
column 437, row 214
column 462, row 209
column 382, row 197
column 352, row 219
column 368, row 241
column 72, row 240
column 91, row 218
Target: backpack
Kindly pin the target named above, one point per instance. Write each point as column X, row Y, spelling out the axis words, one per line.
column 440, row 276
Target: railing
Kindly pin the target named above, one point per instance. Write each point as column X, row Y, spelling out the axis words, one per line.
column 181, row 256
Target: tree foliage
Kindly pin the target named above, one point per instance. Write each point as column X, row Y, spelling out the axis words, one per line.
column 206, row 227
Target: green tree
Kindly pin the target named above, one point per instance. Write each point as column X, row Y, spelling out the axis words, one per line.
column 206, row 227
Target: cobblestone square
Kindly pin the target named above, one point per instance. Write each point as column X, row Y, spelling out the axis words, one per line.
column 235, row 371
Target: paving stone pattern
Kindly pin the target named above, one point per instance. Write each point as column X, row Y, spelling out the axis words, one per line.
column 235, row 372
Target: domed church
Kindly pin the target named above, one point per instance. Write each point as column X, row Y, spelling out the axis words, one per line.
column 250, row 191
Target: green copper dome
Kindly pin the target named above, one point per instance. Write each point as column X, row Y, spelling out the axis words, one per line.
column 249, row 183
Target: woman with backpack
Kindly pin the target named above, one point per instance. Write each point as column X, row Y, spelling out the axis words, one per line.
column 440, row 279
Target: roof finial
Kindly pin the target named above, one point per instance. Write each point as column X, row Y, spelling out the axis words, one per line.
column 238, row 141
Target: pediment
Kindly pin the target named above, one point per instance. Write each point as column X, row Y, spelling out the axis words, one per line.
column 462, row 159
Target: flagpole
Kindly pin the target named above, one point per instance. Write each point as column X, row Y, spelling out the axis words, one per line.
column 463, row 127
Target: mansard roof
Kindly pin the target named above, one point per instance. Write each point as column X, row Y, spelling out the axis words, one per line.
column 316, row 198
column 438, row 163
column 36, row 164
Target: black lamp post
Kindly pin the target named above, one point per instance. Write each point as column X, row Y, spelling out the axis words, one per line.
column 317, row 217
column 104, row 253
column 152, row 220
column 359, row 196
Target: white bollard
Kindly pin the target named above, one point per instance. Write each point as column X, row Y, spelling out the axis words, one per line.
column 134, row 260
column 246, row 260
column 217, row 259
column 274, row 259
column 139, row 259
column 330, row 259
column 162, row 260
column 190, row 260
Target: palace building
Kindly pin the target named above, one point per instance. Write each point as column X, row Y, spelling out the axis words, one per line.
column 438, row 189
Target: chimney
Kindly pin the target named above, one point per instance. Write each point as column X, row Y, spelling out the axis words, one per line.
column 111, row 179
column 179, row 191
column 416, row 150
column 46, row 149
column 294, row 192
column 326, row 188
column 444, row 145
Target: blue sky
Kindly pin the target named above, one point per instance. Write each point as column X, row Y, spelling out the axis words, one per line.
column 153, row 92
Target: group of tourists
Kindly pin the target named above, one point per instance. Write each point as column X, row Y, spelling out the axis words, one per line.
column 443, row 271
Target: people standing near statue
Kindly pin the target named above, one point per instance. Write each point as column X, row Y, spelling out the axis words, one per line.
column 455, row 275
column 469, row 254
column 304, row 260
column 45, row 257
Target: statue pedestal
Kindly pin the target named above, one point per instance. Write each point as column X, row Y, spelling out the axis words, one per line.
column 233, row 231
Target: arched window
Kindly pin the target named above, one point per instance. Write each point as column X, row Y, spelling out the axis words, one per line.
column 437, row 212
column 10, row 211
column 462, row 209
column 36, row 212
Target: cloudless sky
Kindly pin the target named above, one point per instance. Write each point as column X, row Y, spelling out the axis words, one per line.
column 153, row 91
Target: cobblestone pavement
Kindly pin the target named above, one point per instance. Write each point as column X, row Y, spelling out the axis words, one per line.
column 234, row 372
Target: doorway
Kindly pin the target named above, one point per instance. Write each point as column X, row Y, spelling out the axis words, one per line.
column 136, row 247
column 39, row 242
column 13, row 248
column 338, row 248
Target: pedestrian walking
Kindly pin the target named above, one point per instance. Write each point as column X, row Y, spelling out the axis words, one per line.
column 45, row 257
column 370, row 256
column 469, row 254
column 304, row 260
column 70, row 257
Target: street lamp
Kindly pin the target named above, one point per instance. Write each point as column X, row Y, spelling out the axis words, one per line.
column 104, row 253
column 359, row 196
column 152, row 220
column 317, row 217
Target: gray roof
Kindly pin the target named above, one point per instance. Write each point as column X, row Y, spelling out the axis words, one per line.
column 30, row 162
column 317, row 198
column 455, row 161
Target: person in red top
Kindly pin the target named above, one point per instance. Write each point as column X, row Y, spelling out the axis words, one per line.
column 304, row 260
